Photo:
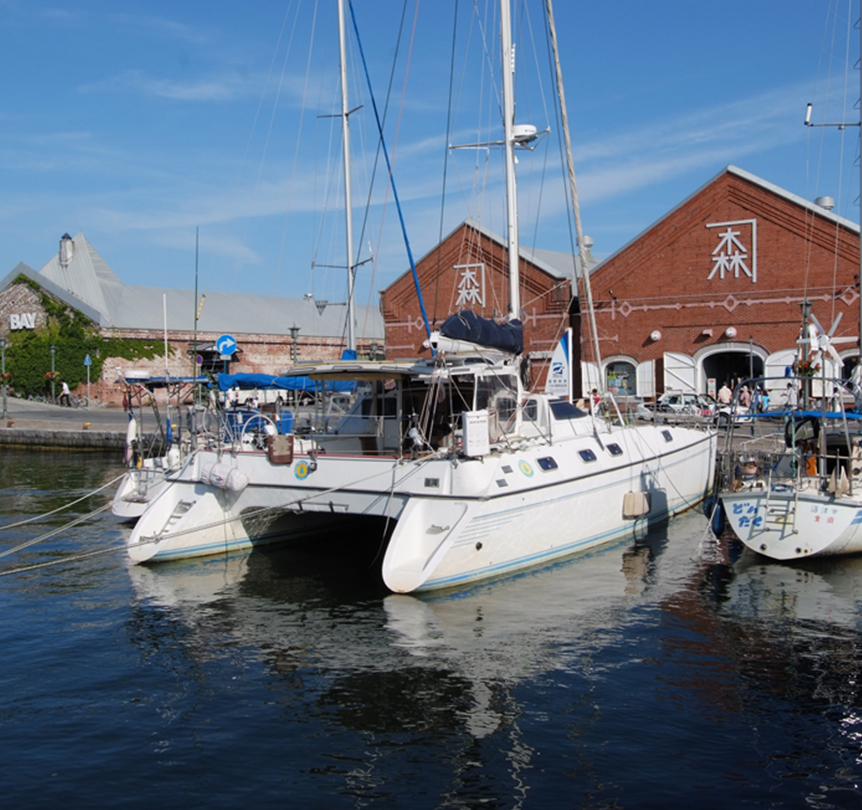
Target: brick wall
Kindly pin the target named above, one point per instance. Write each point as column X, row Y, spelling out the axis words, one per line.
column 544, row 298
column 662, row 282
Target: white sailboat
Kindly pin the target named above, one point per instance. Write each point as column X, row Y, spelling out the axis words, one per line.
column 467, row 474
column 802, row 497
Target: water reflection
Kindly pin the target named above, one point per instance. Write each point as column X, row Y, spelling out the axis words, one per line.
column 444, row 668
column 638, row 675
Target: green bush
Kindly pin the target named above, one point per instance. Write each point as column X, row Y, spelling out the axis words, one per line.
column 74, row 336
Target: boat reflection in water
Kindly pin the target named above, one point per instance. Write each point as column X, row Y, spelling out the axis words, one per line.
column 628, row 670
column 400, row 656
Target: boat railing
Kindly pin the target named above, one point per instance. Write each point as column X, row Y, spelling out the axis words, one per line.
column 814, row 425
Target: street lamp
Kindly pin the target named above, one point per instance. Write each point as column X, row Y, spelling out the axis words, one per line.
column 294, row 331
column 373, row 348
column 3, row 370
column 53, row 354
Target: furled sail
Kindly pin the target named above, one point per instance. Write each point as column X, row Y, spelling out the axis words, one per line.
column 467, row 325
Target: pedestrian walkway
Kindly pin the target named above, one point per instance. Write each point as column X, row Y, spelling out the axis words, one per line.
column 39, row 424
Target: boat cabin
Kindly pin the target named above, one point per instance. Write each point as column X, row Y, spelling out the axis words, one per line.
column 463, row 407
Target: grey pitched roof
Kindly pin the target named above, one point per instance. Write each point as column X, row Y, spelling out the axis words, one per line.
column 90, row 285
column 49, row 286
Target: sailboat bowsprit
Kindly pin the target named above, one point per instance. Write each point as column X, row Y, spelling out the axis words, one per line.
column 465, row 473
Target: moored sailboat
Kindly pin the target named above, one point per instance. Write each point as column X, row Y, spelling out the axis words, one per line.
column 468, row 473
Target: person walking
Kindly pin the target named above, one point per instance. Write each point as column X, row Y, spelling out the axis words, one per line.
column 792, row 397
column 65, row 398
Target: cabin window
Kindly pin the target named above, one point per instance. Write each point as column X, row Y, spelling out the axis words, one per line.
column 587, row 455
column 507, row 469
column 502, row 482
column 506, row 407
column 432, row 482
column 531, row 410
column 547, row 463
column 562, row 409
column 615, row 450
column 493, row 392
column 667, row 435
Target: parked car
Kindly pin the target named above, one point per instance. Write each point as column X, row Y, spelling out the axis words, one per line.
column 678, row 402
column 725, row 415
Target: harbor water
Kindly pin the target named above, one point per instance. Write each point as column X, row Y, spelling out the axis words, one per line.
column 673, row 671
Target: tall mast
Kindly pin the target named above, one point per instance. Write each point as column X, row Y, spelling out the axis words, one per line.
column 508, row 58
column 348, row 205
column 576, row 209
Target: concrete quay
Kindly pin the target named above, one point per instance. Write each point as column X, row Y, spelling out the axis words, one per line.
column 38, row 425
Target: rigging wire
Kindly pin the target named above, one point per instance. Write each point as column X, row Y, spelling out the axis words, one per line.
column 391, row 176
column 445, row 165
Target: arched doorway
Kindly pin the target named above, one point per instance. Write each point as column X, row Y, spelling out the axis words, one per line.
column 729, row 362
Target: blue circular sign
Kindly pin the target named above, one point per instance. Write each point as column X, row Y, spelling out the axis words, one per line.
column 226, row 344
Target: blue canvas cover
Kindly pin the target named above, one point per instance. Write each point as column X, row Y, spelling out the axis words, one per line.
column 266, row 382
column 467, row 325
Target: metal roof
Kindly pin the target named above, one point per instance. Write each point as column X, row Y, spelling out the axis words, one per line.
column 89, row 284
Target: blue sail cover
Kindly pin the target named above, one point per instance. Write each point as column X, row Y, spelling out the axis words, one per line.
column 467, row 325
column 267, row 382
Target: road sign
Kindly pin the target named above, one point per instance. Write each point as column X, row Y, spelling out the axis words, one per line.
column 87, row 361
column 226, row 344
column 199, row 360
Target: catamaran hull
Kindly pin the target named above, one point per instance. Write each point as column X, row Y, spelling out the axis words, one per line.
column 138, row 488
column 784, row 525
column 441, row 539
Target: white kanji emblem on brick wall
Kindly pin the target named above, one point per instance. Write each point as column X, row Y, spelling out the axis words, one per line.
column 736, row 253
column 471, row 285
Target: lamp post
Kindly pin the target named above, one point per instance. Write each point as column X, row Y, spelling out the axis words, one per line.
column 294, row 331
column 53, row 355
column 373, row 348
column 3, row 370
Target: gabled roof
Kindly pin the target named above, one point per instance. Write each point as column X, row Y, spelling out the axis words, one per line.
column 734, row 170
column 49, row 286
column 557, row 264
column 85, row 275
column 81, row 278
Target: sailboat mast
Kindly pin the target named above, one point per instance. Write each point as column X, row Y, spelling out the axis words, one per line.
column 508, row 58
column 576, row 208
column 348, row 204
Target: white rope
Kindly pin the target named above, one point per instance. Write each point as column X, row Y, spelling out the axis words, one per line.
column 59, row 560
column 54, row 532
column 8, row 526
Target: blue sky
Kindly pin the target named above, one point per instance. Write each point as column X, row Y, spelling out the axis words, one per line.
column 137, row 123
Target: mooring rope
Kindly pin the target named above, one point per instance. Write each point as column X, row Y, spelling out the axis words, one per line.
column 59, row 508
column 68, row 558
column 54, row 532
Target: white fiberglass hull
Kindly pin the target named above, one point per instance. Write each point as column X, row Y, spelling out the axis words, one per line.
column 783, row 524
column 456, row 520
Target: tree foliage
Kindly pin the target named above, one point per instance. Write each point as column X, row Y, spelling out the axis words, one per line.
column 74, row 336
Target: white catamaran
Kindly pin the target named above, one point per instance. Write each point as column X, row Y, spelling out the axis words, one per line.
column 464, row 472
